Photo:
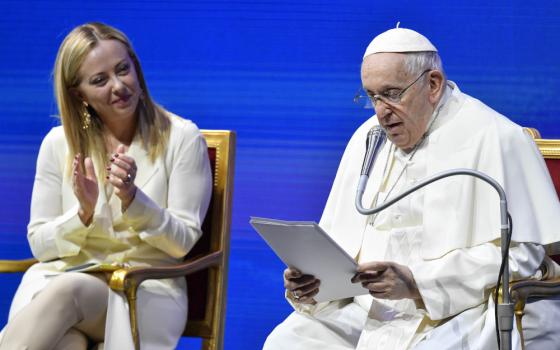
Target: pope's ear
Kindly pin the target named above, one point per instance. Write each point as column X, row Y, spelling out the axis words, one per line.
column 436, row 81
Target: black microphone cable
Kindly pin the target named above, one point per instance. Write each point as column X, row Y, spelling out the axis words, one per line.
column 500, row 274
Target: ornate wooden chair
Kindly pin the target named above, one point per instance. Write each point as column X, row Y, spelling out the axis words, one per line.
column 205, row 266
column 522, row 291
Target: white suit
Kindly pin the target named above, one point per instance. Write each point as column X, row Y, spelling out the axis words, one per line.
column 160, row 226
column 447, row 234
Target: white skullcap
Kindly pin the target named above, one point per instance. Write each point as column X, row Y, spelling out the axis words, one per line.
column 399, row 40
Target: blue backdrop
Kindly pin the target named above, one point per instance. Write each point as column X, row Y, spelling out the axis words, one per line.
column 280, row 73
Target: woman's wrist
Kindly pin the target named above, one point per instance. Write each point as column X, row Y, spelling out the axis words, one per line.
column 86, row 216
column 125, row 203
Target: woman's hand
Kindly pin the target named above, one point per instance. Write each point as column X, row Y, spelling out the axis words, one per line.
column 121, row 174
column 302, row 288
column 387, row 280
column 85, row 187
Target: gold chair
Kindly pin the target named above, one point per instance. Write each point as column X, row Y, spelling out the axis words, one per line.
column 521, row 291
column 205, row 266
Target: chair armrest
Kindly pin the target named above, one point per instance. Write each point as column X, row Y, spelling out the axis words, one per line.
column 16, row 265
column 127, row 281
column 523, row 290
column 123, row 279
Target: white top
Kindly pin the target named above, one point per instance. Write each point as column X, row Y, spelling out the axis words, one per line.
column 159, row 227
column 448, row 232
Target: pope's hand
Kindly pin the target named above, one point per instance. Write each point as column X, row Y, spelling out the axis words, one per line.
column 301, row 287
column 387, row 280
column 84, row 185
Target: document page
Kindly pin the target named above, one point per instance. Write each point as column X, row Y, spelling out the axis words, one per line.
column 306, row 247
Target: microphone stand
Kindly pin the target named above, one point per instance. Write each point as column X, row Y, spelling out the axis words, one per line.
column 504, row 309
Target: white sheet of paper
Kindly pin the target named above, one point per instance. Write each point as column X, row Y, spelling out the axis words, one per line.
column 305, row 246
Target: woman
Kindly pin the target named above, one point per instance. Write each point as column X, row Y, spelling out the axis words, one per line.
column 123, row 182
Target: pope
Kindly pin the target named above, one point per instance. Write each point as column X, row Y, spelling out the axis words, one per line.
column 428, row 263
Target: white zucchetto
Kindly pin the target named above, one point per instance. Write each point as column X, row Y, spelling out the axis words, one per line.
column 399, row 40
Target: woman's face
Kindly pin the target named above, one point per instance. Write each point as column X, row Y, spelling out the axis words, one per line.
column 108, row 82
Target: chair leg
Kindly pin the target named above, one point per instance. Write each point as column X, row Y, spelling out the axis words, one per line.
column 131, row 298
column 209, row 344
column 518, row 318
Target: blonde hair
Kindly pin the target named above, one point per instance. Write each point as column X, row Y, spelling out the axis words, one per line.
column 153, row 122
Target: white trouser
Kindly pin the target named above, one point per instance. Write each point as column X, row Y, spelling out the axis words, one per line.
column 336, row 328
column 71, row 308
column 332, row 328
column 64, row 315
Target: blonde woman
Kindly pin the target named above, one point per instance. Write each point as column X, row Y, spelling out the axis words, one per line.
column 122, row 181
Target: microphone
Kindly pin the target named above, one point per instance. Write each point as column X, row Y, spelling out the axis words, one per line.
column 376, row 138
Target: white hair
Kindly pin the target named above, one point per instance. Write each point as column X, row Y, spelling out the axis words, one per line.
column 417, row 62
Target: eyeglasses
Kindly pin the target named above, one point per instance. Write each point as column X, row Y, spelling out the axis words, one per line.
column 390, row 96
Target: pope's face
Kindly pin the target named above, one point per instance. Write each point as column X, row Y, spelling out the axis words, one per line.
column 407, row 120
column 109, row 83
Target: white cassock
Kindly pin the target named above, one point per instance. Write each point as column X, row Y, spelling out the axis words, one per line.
column 160, row 226
column 447, row 234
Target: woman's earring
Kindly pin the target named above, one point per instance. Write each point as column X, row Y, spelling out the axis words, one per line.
column 143, row 98
column 86, row 117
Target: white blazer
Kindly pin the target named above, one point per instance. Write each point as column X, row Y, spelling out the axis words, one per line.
column 160, row 226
